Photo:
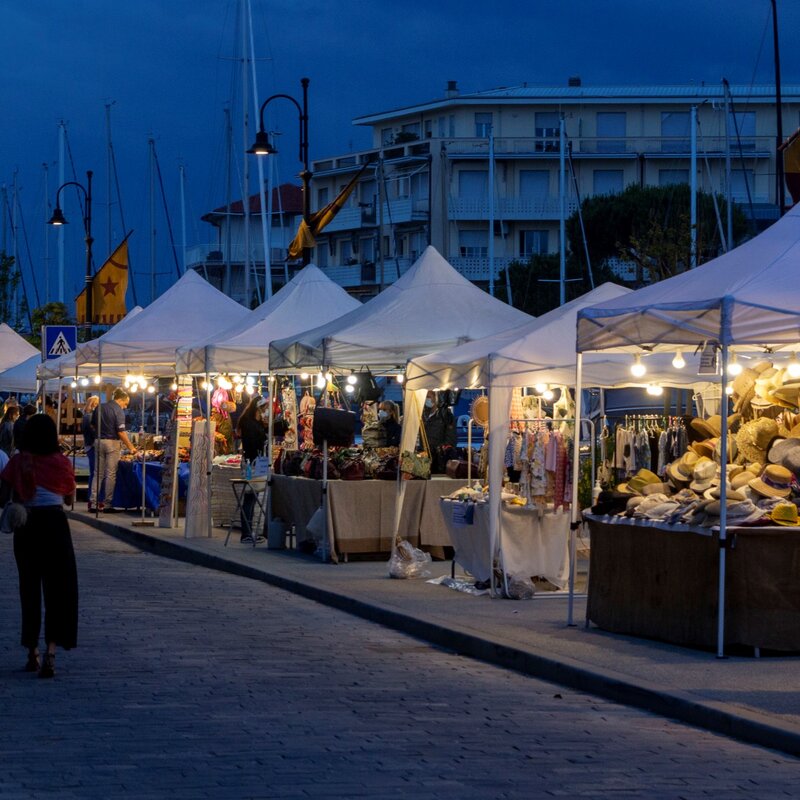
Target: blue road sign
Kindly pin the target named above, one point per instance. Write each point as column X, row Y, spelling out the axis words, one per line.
column 58, row 340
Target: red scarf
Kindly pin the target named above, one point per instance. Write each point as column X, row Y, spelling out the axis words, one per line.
column 26, row 471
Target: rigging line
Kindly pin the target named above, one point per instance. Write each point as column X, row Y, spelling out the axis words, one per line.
column 125, row 231
column 712, row 192
column 28, row 250
column 18, row 265
column 580, row 212
column 166, row 212
column 741, row 161
column 391, row 223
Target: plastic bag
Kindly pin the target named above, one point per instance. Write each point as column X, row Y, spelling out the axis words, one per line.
column 408, row 561
column 520, row 588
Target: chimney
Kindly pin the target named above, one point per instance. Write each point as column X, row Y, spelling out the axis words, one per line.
column 574, row 80
column 452, row 89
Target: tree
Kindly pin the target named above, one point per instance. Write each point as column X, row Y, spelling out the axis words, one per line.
column 9, row 283
column 48, row 314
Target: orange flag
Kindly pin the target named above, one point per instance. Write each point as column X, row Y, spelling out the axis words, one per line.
column 307, row 232
column 109, row 286
column 791, row 164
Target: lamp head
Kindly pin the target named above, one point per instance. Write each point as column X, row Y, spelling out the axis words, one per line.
column 262, row 146
column 57, row 218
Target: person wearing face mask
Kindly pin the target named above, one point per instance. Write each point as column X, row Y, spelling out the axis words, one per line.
column 389, row 419
column 440, row 428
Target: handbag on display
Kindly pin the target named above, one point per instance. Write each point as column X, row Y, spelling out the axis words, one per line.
column 387, row 470
column 367, row 389
column 417, row 465
column 456, row 468
column 336, row 427
column 373, row 435
column 353, row 469
column 279, row 426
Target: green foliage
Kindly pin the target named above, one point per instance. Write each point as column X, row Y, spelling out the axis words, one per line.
column 48, row 314
column 9, row 283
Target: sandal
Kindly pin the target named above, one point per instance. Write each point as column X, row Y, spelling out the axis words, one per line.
column 48, row 669
column 33, row 663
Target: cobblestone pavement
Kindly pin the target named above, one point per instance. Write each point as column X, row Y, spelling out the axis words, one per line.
column 190, row 683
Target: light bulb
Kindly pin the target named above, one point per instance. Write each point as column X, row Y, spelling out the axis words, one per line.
column 678, row 362
column 249, row 389
column 74, row 384
column 328, row 377
column 204, row 384
column 151, row 389
column 793, row 367
column 655, row 390
column 84, row 381
column 637, row 368
column 134, row 387
column 351, row 379
column 548, row 394
column 734, row 367
column 729, row 389
column 250, row 380
column 541, row 388
column 349, row 388
column 127, row 381
column 174, row 386
column 98, row 379
column 320, row 381
column 400, row 378
column 303, row 376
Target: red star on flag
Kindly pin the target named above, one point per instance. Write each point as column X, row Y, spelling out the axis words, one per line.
column 109, row 287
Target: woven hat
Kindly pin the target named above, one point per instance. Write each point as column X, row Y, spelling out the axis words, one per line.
column 657, row 488
column 744, row 388
column 708, row 428
column 732, row 495
column 754, row 437
column 741, row 481
column 788, row 394
column 703, row 474
column 480, row 411
column 683, row 469
column 785, row 452
column 775, row 481
column 785, row 514
column 641, row 479
column 733, row 450
column 767, row 387
column 704, row 448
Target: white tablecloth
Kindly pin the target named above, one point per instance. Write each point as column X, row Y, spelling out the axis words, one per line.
column 531, row 544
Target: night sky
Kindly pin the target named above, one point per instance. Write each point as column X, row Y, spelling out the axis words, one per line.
column 168, row 69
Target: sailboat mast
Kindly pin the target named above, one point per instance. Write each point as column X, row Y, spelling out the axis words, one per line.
column 152, row 145
column 246, row 160
column 62, row 139
column 182, row 173
column 109, row 172
column 46, row 238
column 226, row 285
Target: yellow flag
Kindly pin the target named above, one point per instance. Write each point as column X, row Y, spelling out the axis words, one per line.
column 791, row 164
column 109, row 286
column 307, row 232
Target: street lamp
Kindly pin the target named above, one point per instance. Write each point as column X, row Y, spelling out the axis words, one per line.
column 59, row 219
column 263, row 147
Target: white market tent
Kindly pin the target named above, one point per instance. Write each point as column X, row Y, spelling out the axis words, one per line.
column 244, row 346
column 13, row 348
column 542, row 351
column 748, row 298
column 430, row 307
column 21, row 378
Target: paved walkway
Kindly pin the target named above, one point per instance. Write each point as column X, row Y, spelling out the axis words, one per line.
column 755, row 700
column 192, row 683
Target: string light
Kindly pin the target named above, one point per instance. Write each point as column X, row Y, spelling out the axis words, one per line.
column 349, row 388
column 134, row 387
column 729, row 389
column 304, row 376
column 320, row 381
column 655, row 390
column 84, row 381
column 637, row 368
column 351, row 379
column 151, row 389
column 400, row 378
column 735, row 368
column 793, row 367
column 204, row 384
column 678, row 362
column 98, row 379
column 250, row 380
column 174, row 386
column 548, row 394
column 540, row 388
column 73, row 384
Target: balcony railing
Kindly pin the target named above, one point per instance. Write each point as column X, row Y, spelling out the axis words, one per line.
column 215, row 253
column 477, row 268
column 511, row 208
column 400, row 210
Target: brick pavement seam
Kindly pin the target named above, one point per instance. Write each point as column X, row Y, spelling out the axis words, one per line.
column 726, row 719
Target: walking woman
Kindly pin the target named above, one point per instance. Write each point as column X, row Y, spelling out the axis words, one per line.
column 89, row 431
column 253, row 433
column 7, row 429
column 41, row 478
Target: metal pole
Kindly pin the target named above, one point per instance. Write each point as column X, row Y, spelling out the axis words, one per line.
column 491, row 210
column 62, row 135
column 87, row 222
column 305, row 175
column 693, row 193
column 728, row 203
column 381, row 200
column 781, row 186
column 562, row 226
column 576, row 510
column 723, row 511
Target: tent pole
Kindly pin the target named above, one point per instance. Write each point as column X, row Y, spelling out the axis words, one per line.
column 210, row 463
column 723, row 511
column 271, row 383
column 576, row 510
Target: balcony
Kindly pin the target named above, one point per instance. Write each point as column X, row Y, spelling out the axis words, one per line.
column 200, row 254
column 477, row 268
column 511, row 208
column 403, row 209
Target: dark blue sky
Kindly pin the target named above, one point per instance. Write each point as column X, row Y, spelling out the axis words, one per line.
column 170, row 68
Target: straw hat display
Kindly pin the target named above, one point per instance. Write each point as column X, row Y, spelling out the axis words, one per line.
column 753, row 439
column 480, row 411
column 775, row 481
column 788, row 394
column 703, row 474
column 711, row 428
column 785, row 514
column 637, row 483
column 786, row 452
column 682, row 470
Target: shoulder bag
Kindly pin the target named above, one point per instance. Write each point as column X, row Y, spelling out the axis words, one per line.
column 417, row 465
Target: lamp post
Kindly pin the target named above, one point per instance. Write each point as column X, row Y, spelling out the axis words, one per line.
column 263, row 147
column 58, row 219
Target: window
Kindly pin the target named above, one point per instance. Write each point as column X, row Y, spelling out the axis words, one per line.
column 418, row 241
column 451, row 121
column 387, row 136
column 675, row 132
column 607, row 181
column 742, row 181
column 367, row 249
column 473, row 244
column 419, row 186
column 369, row 189
column 428, row 128
column 611, row 124
column 532, row 243
column 742, row 130
column 400, row 186
column 534, row 184
column 483, row 124
column 411, row 131
column 666, row 177
column 442, row 127
column 473, row 183
column 547, row 131
column 321, row 255
column 322, row 197
column 345, row 251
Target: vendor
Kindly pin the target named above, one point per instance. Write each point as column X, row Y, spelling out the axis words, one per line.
column 253, row 433
column 389, row 420
column 440, row 428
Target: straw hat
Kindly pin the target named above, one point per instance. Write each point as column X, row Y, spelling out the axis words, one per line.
column 768, row 386
column 682, row 470
column 788, row 394
column 480, row 411
column 754, row 437
column 785, row 452
column 703, row 474
column 775, row 481
column 637, row 483
column 708, row 428
column 744, row 389
column 704, row 448
column 732, row 494
column 741, row 481
column 785, row 514
column 657, row 488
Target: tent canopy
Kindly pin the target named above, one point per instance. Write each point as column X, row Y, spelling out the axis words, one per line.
column 429, row 308
column 189, row 309
column 541, row 351
column 22, row 377
column 244, row 346
column 748, row 296
column 13, row 348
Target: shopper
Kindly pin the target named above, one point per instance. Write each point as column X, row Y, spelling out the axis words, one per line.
column 112, row 436
column 89, row 431
column 19, row 426
column 253, row 433
column 389, row 420
column 41, row 478
column 7, row 430
column 440, row 428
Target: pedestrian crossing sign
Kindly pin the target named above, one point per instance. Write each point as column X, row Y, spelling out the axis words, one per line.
column 58, row 340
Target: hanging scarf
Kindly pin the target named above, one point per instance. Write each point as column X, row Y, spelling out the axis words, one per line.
column 25, row 471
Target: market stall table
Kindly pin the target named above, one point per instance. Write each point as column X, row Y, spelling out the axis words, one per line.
column 128, row 488
column 361, row 513
column 659, row 581
column 535, row 544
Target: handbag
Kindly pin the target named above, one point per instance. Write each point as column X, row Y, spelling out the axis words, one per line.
column 336, row 427
column 353, row 469
column 456, row 468
column 374, row 435
column 367, row 389
column 417, row 465
column 14, row 516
